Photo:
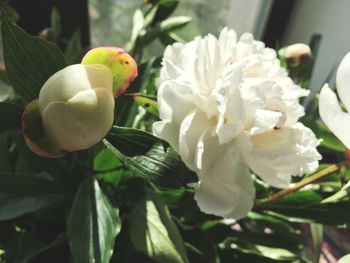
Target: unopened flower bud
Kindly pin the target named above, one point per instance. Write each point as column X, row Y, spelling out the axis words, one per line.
column 77, row 106
column 122, row 65
column 296, row 54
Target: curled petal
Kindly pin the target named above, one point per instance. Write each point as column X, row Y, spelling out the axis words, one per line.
column 278, row 154
column 333, row 116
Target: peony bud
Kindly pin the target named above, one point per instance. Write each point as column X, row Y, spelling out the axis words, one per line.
column 297, row 54
column 123, row 66
column 77, row 106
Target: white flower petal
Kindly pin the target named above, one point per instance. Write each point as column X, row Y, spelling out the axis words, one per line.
column 228, row 41
column 343, row 81
column 168, row 131
column 278, row 154
column 229, row 103
column 226, row 187
column 190, row 131
column 333, row 116
column 77, row 124
column 174, row 102
column 266, row 120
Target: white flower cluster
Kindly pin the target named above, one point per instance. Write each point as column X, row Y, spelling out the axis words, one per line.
column 227, row 106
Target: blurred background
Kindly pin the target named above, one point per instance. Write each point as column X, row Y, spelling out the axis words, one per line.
column 277, row 23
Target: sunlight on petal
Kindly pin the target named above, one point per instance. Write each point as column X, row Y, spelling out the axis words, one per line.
column 343, row 81
column 333, row 116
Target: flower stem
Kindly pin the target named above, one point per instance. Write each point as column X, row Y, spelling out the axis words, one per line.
column 318, row 175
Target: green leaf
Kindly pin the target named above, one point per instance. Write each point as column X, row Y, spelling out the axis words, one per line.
column 27, row 247
column 174, row 23
column 109, row 168
column 275, row 252
column 277, row 225
column 20, row 195
column 165, row 27
column 317, row 239
column 74, row 51
column 55, row 24
column 153, row 232
column 10, row 117
column 342, row 195
column 138, row 24
column 165, row 9
column 148, row 104
column 149, row 157
column 160, row 165
column 93, row 225
column 302, row 197
column 169, row 39
column 317, row 213
column 130, row 141
column 29, row 61
column 58, row 168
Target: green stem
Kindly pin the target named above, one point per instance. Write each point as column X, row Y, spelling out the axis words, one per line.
column 318, row 175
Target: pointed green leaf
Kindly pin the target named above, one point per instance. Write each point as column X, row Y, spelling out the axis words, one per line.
column 20, row 195
column 29, row 61
column 165, row 27
column 27, row 246
column 149, row 157
column 317, row 240
column 153, row 232
column 317, row 213
column 109, row 168
column 342, row 195
column 93, row 225
column 130, row 141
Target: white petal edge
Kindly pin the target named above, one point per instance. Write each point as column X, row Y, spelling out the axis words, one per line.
column 343, row 81
column 333, row 116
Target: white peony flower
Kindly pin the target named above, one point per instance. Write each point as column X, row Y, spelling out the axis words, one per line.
column 77, row 106
column 227, row 106
column 331, row 112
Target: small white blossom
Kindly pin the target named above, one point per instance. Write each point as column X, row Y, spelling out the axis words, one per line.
column 227, row 106
column 331, row 112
